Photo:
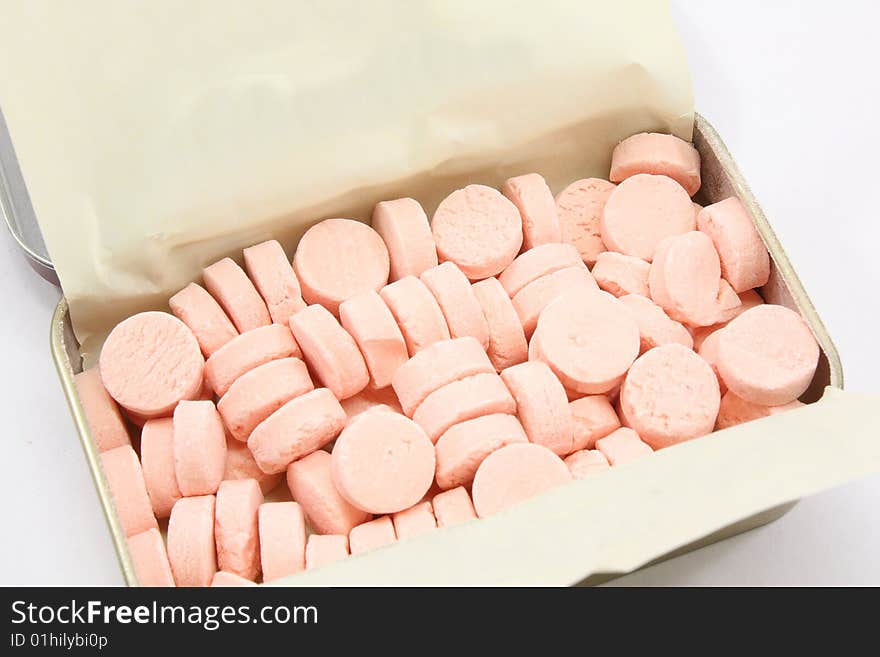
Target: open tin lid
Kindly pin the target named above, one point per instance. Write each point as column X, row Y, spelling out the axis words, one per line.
column 18, row 212
column 205, row 132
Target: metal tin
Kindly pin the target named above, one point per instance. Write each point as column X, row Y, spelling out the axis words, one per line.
column 17, row 211
column 721, row 178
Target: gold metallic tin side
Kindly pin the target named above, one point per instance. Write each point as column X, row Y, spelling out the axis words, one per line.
column 721, row 178
column 65, row 354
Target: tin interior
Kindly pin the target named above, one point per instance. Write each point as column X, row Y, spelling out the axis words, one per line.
column 721, row 179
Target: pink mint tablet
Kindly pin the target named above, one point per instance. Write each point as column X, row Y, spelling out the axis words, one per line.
column 589, row 340
column 586, row 462
column 282, row 528
column 651, row 152
column 507, row 340
column 128, row 490
column 383, row 463
column 150, row 560
column 709, row 351
column 322, row 549
column 303, row 425
column 531, row 301
column 311, row 484
column 414, row 521
column 579, row 207
column 403, row 225
column 613, row 394
column 431, row 492
column 102, row 414
column 247, row 351
column 270, row 270
column 371, row 535
column 151, row 361
column 767, row 355
column 514, row 474
column 573, row 395
column 479, row 230
column 700, row 333
column 416, row 312
column 457, row 301
column 685, row 279
column 339, row 258
column 199, row 447
column 453, row 507
column 462, row 448
column 236, row 531
column 748, row 299
column 537, row 208
column 745, row 262
column 622, row 446
column 240, row 464
column 441, row 363
column 157, row 461
column 135, row 419
column 594, row 418
column 473, row 396
column 736, row 410
column 223, row 579
column 642, row 211
column 235, row 293
column 190, row 540
column 369, row 321
column 697, row 209
column 620, row 414
column 670, row 395
column 204, row 317
column 621, row 274
column 330, row 351
column 655, row 326
column 537, row 262
column 207, row 392
column 728, row 302
column 371, row 399
column 541, row 405
column 255, row 395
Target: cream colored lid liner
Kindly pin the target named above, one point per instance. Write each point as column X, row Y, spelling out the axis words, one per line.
column 628, row 516
column 158, row 137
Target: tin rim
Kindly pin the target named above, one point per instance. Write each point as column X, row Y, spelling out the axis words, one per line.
column 783, row 264
column 59, row 335
column 11, row 180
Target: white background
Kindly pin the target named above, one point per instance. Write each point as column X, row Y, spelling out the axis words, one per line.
column 794, row 90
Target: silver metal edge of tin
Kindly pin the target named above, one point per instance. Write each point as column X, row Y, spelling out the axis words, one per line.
column 18, row 212
column 721, row 178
